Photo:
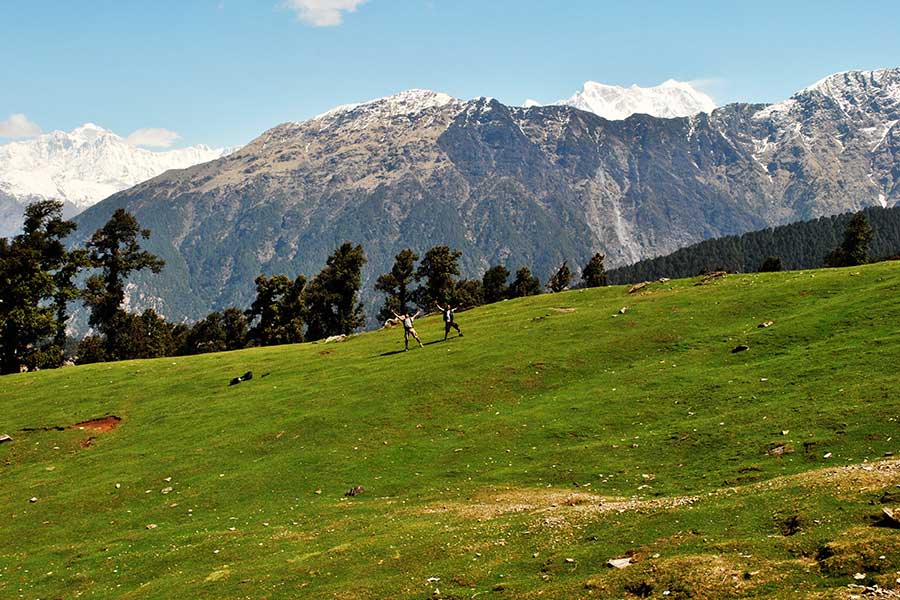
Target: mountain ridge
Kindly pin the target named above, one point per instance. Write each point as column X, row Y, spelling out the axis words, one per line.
column 511, row 185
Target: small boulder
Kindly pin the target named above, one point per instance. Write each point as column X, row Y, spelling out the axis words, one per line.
column 765, row 324
column 638, row 286
column 33, row 499
column 891, row 517
column 619, row 563
column 623, row 310
column 5, row 438
column 355, row 491
column 335, row 338
column 740, row 348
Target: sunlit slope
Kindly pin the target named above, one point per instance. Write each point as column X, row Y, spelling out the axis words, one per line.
column 516, row 460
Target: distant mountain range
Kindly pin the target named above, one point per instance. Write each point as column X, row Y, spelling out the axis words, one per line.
column 669, row 99
column 513, row 185
column 80, row 168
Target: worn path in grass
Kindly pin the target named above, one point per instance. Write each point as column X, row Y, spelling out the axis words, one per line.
column 514, row 461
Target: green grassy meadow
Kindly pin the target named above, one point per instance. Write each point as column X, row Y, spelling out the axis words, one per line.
column 513, row 462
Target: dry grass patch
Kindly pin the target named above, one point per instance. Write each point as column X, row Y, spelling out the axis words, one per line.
column 693, row 576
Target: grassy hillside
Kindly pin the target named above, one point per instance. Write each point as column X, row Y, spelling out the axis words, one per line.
column 512, row 462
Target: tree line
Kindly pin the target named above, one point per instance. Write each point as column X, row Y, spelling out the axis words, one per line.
column 40, row 280
column 813, row 244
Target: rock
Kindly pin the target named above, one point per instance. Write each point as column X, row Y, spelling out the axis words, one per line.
column 623, row 310
column 781, row 449
column 709, row 277
column 33, row 499
column 355, row 491
column 765, row 324
column 664, row 280
column 335, row 338
column 827, row 455
column 5, row 438
column 740, row 348
column 638, row 286
column 151, row 526
column 68, row 363
column 619, row 563
column 570, row 560
column 891, row 517
column 165, row 490
column 859, row 576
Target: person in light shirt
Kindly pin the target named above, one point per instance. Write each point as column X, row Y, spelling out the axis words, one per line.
column 408, row 329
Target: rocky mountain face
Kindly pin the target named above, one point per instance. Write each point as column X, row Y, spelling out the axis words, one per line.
column 668, row 99
column 80, row 167
column 519, row 186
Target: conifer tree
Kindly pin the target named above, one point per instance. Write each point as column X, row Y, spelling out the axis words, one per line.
column 277, row 312
column 33, row 270
column 594, row 273
column 771, row 264
column 493, row 284
column 115, row 249
column 525, row 284
column 438, row 269
column 561, row 279
column 332, row 298
column 855, row 248
column 396, row 284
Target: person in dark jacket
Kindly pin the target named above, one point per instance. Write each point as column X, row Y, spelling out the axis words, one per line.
column 449, row 321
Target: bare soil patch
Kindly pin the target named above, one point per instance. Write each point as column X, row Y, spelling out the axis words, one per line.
column 101, row 425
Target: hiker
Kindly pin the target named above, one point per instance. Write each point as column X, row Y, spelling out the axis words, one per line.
column 448, row 311
column 408, row 329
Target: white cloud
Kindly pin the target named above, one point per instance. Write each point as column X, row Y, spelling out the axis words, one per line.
column 152, row 137
column 18, row 126
column 323, row 13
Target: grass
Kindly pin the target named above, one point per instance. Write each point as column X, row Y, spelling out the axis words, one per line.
column 512, row 462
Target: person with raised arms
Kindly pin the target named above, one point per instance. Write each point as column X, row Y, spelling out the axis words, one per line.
column 408, row 329
column 449, row 321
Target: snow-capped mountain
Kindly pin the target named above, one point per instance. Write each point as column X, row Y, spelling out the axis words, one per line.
column 80, row 167
column 506, row 185
column 668, row 99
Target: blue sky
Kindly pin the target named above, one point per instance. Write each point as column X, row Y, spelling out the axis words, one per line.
column 222, row 71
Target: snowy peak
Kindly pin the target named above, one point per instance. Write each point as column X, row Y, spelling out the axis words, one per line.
column 668, row 99
column 860, row 90
column 409, row 102
column 85, row 165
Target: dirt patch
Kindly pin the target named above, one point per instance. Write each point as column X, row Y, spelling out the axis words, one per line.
column 105, row 424
column 563, row 309
column 554, row 506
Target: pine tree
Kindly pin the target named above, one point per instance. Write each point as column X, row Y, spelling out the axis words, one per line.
column 493, row 284
column 438, row 268
column 277, row 313
column 396, row 285
column 116, row 250
column 525, row 284
column 561, row 279
column 33, row 268
column 332, row 298
column 467, row 293
column 594, row 273
column 855, row 248
column 771, row 264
